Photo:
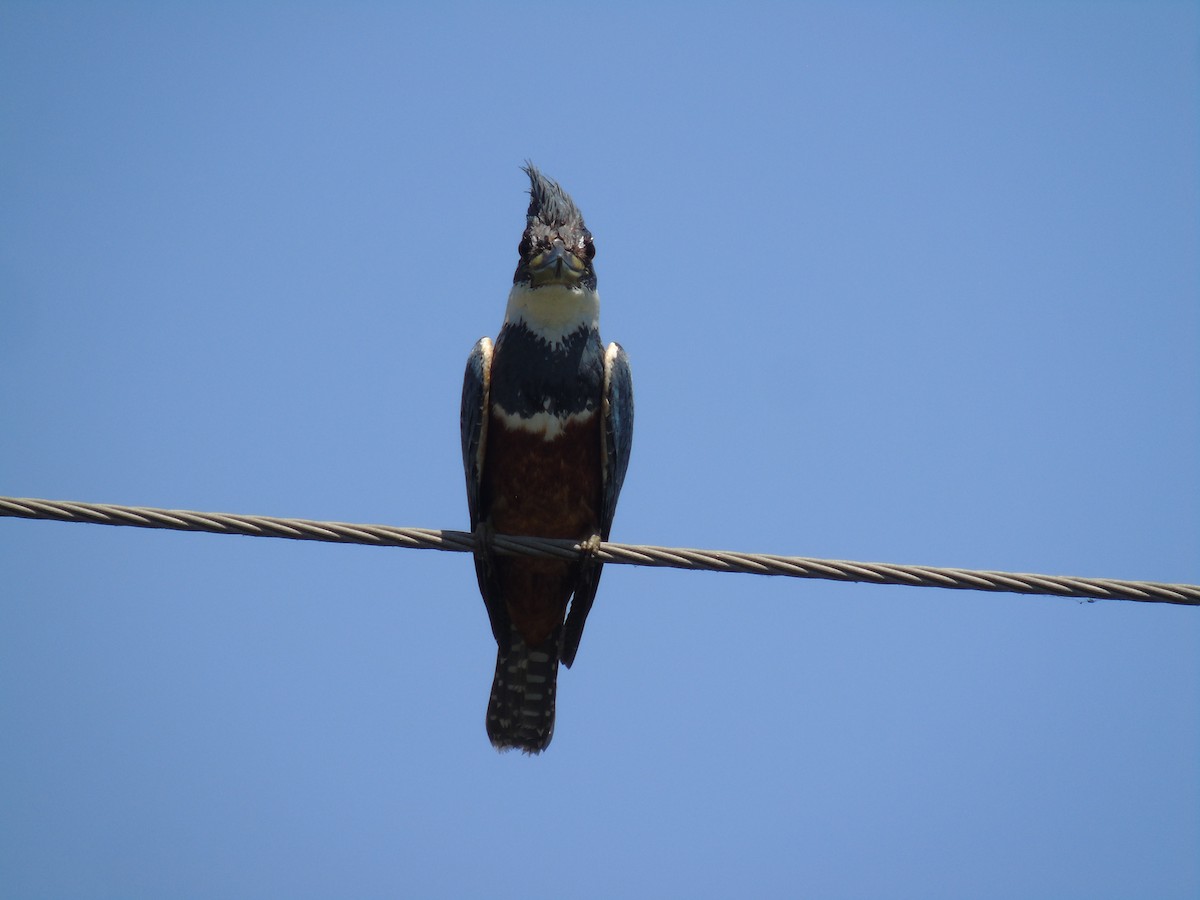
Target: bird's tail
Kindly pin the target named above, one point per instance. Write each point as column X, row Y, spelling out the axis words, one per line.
column 521, row 709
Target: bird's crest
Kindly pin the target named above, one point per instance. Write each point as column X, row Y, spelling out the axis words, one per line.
column 549, row 204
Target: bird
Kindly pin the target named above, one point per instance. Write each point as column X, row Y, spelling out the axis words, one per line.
column 547, row 429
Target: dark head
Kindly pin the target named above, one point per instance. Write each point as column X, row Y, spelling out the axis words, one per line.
column 556, row 247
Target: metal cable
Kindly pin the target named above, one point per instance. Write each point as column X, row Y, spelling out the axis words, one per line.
column 625, row 554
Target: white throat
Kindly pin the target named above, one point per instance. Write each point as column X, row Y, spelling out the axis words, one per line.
column 553, row 311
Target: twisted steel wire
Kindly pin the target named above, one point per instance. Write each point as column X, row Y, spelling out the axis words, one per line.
column 624, row 554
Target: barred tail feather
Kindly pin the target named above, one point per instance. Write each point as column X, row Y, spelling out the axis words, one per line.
column 521, row 709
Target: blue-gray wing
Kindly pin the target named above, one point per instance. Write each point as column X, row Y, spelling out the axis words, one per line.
column 473, row 420
column 618, row 428
column 617, row 442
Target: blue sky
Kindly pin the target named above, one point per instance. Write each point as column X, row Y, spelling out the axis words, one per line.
column 901, row 282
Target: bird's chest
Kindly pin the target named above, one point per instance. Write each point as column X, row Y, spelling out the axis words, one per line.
column 544, row 481
column 542, row 467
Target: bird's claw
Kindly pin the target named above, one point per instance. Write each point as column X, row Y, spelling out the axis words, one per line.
column 483, row 534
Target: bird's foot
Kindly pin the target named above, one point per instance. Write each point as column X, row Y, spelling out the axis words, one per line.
column 484, row 532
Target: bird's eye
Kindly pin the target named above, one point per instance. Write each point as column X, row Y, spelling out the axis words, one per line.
column 589, row 250
column 524, row 246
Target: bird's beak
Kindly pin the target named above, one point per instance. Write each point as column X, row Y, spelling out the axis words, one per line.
column 558, row 265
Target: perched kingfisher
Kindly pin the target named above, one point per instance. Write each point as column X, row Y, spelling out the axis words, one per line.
column 547, row 425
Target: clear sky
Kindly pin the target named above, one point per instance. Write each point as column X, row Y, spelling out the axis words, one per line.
column 903, row 282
